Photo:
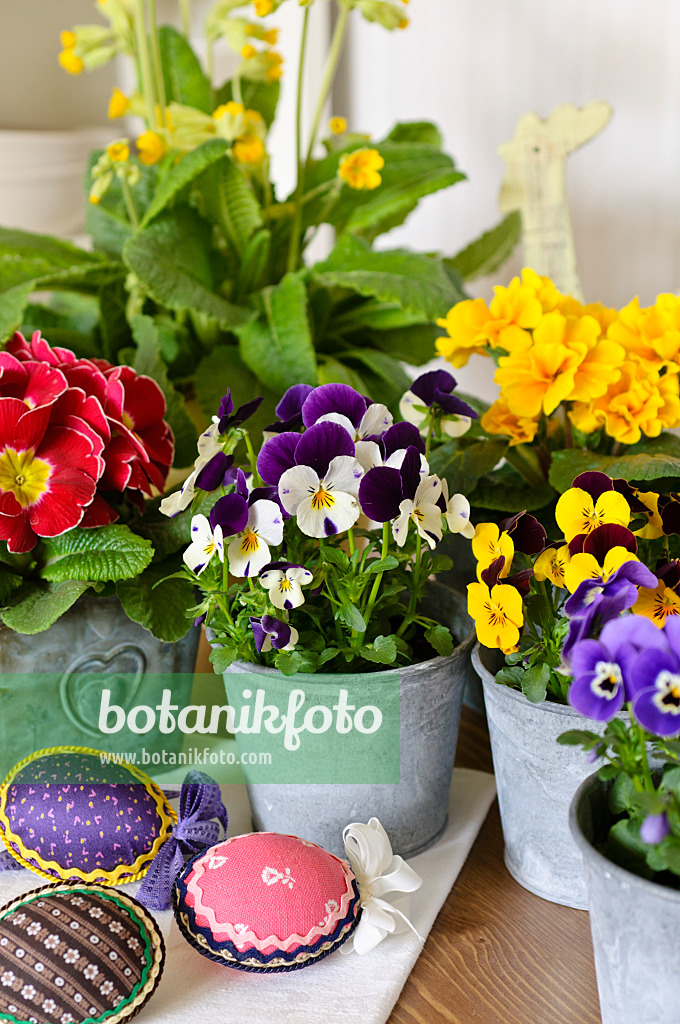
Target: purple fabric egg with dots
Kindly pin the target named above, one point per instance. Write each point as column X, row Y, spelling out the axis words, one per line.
column 67, row 816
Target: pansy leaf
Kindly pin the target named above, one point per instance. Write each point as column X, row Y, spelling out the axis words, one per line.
column 157, row 603
column 106, row 553
column 535, row 682
column 440, row 638
column 351, row 616
column 222, row 657
column 383, row 650
column 336, row 557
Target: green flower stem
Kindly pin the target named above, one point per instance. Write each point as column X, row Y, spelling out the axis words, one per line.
column 328, row 75
column 279, row 211
column 415, row 573
column 378, row 576
column 519, row 459
column 333, row 196
column 185, row 13
column 236, row 89
column 252, row 459
column 129, row 200
column 350, row 540
column 225, row 589
column 644, row 760
column 430, row 435
column 145, row 63
column 157, row 63
column 299, row 188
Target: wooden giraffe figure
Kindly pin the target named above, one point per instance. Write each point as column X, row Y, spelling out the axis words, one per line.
column 535, row 184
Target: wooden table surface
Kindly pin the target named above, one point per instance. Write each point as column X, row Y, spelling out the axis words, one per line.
column 497, row 954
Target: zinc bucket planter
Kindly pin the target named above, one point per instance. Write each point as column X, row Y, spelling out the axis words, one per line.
column 634, row 923
column 536, row 779
column 51, row 682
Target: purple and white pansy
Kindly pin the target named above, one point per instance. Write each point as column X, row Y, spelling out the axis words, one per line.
column 402, row 495
column 208, row 447
column 271, row 633
column 289, row 410
column 339, row 403
column 284, row 582
column 205, row 542
column 456, row 511
column 431, row 396
column 253, row 525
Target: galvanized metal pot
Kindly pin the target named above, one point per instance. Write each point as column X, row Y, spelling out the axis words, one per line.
column 536, row 778
column 414, row 811
column 634, row 922
column 51, row 682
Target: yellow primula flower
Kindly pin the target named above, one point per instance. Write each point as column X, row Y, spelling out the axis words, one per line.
column 249, row 149
column 497, row 613
column 586, row 567
column 68, row 39
column 263, row 7
column 551, row 564
column 150, row 147
column 543, row 288
column 338, row 125
column 69, row 62
column 231, row 109
column 119, row 104
column 488, row 544
column 361, row 168
column 569, row 306
column 118, row 151
column 248, row 52
column 539, row 379
column 515, row 310
column 499, row 420
column 654, row 527
column 640, row 402
column 576, row 513
column 658, row 604
column 466, row 326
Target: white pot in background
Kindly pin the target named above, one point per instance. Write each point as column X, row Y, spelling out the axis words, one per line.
column 41, row 178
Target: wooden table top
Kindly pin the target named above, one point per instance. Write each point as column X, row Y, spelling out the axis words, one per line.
column 497, row 954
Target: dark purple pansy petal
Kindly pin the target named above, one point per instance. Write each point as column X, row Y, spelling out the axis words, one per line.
column 263, row 493
column 226, row 406
column 604, row 538
column 328, row 398
column 594, row 483
column 319, row 445
column 244, row 412
column 278, row 631
column 434, row 380
column 380, row 494
column 293, row 400
column 654, row 829
column 669, row 573
column 276, row 456
column 670, row 517
column 402, row 435
column 576, row 544
column 628, row 492
column 241, row 484
column 231, row 513
column 410, row 472
column 521, row 581
column 213, row 473
column 527, row 534
column 259, row 633
column 279, row 565
column 454, row 406
column 492, row 574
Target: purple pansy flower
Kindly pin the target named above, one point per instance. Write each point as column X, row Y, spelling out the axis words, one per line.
column 289, row 409
column 399, row 495
column 218, row 472
column 654, row 829
column 273, row 634
column 655, row 684
column 253, row 526
column 434, row 391
column 596, row 601
column 284, row 581
column 320, row 488
column 227, row 418
column 390, row 449
column 339, row 403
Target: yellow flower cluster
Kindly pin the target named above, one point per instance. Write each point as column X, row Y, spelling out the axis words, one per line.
column 361, row 168
column 614, row 371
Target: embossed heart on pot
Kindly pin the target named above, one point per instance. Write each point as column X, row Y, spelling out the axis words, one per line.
column 120, row 670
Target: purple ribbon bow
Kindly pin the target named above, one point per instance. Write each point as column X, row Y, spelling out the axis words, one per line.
column 200, row 802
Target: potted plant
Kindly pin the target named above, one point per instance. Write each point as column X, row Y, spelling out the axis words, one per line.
column 625, row 818
column 312, row 566
column 533, row 601
column 188, row 230
column 84, row 449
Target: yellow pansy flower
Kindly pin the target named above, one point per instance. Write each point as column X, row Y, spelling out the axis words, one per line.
column 150, row 147
column 249, row 149
column 658, row 604
column 338, row 125
column 466, row 327
column 361, row 168
column 499, row 420
column 497, row 613
column 584, row 566
column 577, row 513
column 654, row 528
column 488, row 544
column 551, row 564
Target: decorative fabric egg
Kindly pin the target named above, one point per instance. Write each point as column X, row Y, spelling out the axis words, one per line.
column 76, row 953
column 266, row 902
column 65, row 815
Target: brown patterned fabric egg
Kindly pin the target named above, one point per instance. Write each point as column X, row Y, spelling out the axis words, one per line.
column 74, row 953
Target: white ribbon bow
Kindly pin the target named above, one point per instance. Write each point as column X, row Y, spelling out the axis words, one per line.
column 378, row 872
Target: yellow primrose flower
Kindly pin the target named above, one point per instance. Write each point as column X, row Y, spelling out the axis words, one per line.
column 654, row 527
column 249, row 149
column 515, row 310
column 118, row 151
column 498, row 614
column 499, row 420
column 543, row 288
column 551, row 563
column 658, row 604
column 639, row 402
column 576, row 513
column 271, row 36
column 150, row 148
column 488, row 544
column 68, row 39
column 69, row 62
column 539, row 379
column 360, row 169
column 586, row 567
column 338, row 125
column 466, row 326
column 569, row 306
column 119, row 104
column 248, row 52
column 263, row 7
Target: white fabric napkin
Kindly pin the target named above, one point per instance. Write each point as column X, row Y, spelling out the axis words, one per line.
column 339, row 989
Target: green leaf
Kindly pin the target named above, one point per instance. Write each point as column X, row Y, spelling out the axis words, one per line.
column 382, row 565
column 181, row 174
column 278, row 346
column 440, row 638
column 578, row 738
column 252, row 271
column 167, row 535
column 507, row 492
column 41, row 605
column 652, row 464
column 336, row 557
column 332, row 371
column 106, row 553
column 416, row 131
column 622, row 794
column 626, row 849
column 383, row 650
column 171, row 257
column 50, row 263
column 418, row 283
column 9, row 582
column 147, row 360
column 535, row 682
column 490, row 251
column 161, row 607
column 13, row 302
column 389, row 202
column 222, row 657
column 414, row 345
column 328, row 655
column 510, row 675
column 351, row 616
column 230, row 202
column 464, row 466
column 289, row 662
column 391, row 381
column 182, row 73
